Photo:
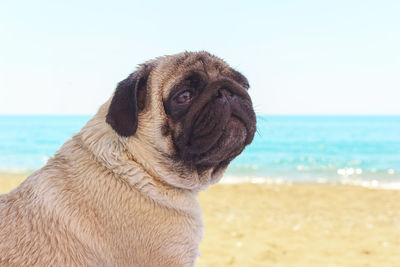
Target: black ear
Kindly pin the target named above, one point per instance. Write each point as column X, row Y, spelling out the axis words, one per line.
column 129, row 98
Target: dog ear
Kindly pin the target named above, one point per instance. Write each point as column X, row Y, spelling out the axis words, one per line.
column 129, row 98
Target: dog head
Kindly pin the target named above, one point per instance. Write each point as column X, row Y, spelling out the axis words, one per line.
column 183, row 117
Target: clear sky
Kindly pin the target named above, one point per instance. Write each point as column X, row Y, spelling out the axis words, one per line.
column 301, row 57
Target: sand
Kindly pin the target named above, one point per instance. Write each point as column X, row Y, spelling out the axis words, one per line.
column 10, row 181
column 298, row 225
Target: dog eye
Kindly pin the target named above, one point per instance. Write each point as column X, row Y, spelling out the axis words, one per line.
column 183, row 98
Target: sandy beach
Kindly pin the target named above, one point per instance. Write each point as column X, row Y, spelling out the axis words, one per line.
column 298, row 225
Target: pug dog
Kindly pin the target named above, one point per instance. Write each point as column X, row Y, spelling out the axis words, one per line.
column 123, row 191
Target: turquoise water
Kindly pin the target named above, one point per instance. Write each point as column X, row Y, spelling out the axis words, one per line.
column 296, row 148
column 308, row 148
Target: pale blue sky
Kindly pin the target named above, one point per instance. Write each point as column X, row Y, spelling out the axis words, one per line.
column 301, row 57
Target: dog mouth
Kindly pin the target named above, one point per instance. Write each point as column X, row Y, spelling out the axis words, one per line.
column 230, row 142
column 220, row 146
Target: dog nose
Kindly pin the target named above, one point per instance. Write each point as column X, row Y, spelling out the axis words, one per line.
column 224, row 95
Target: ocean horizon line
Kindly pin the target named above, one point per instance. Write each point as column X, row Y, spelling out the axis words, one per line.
column 258, row 114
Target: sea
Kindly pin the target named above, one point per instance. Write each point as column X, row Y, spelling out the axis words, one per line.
column 354, row 150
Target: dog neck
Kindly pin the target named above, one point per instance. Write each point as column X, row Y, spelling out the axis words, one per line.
column 109, row 150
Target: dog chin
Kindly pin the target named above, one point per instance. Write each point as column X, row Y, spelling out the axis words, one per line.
column 228, row 146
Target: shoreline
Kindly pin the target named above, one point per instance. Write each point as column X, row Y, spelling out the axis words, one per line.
column 11, row 179
column 372, row 184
